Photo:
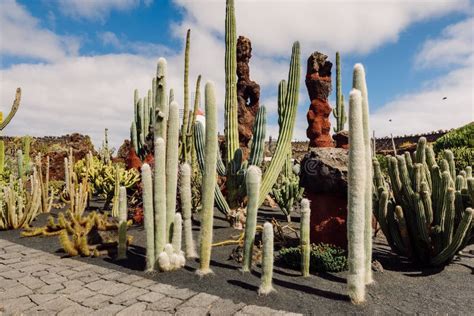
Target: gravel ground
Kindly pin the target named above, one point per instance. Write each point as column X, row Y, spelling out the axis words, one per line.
column 399, row 289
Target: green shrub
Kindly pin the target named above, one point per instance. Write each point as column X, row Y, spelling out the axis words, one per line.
column 324, row 258
column 460, row 137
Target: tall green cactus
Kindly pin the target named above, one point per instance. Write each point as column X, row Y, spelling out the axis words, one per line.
column 252, row 179
column 304, row 237
column 288, row 109
column 15, row 106
column 230, row 103
column 184, row 127
column 172, row 158
column 258, row 140
column 432, row 220
column 267, row 261
column 209, row 181
column 359, row 83
column 357, row 174
column 339, row 112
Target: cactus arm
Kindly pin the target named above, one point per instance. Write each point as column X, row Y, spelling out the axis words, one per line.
column 230, row 104
column 14, row 109
column 286, row 132
column 221, row 169
column 209, row 181
column 253, row 178
column 304, row 238
column 448, row 252
column 172, row 158
column 266, row 286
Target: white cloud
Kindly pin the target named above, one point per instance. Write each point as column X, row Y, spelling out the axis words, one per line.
column 123, row 45
column 425, row 110
column 22, row 35
column 97, row 9
column 349, row 26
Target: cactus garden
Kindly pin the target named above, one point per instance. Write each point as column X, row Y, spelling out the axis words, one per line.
column 217, row 194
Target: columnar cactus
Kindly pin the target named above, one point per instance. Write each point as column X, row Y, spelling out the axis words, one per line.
column 148, row 216
column 209, row 181
column 159, row 196
column 161, row 101
column 304, row 237
column 230, row 103
column 184, row 127
column 122, row 230
column 172, row 157
column 359, row 83
column 15, row 106
column 185, row 195
column 252, row 179
column 428, row 216
column 339, row 112
column 258, row 140
column 267, row 261
column 357, row 174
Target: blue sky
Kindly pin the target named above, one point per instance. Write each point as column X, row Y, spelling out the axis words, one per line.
column 78, row 61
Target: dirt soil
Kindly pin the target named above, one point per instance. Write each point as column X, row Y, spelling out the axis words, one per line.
column 400, row 289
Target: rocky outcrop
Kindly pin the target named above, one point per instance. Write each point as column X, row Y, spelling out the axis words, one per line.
column 324, row 177
column 248, row 94
column 318, row 83
column 57, row 148
column 342, row 139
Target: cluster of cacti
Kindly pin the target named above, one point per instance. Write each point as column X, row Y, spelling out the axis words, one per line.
column 287, row 191
column 359, row 217
column 234, row 167
column 304, row 237
column 79, row 228
column 172, row 257
column 339, row 112
column 427, row 215
column 105, row 179
column 76, row 191
column 25, row 196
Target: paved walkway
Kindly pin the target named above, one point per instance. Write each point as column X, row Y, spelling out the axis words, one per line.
column 33, row 282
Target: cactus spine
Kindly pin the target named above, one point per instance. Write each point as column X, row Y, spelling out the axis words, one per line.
column 253, row 178
column 304, row 237
column 359, row 83
column 15, row 106
column 357, row 174
column 122, row 231
column 339, row 112
column 267, row 261
column 185, row 195
column 159, row 196
column 209, row 181
column 172, row 157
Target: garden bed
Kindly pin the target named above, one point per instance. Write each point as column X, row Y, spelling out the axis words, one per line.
column 400, row 288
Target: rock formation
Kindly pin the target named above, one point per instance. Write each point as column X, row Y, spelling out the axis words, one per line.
column 248, row 94
column 318, row 83
column 324, row 177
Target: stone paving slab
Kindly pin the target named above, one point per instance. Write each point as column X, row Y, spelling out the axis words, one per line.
column 33, row 282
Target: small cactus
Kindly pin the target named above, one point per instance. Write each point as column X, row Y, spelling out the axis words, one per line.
column 304, row 237
column 267, row 261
